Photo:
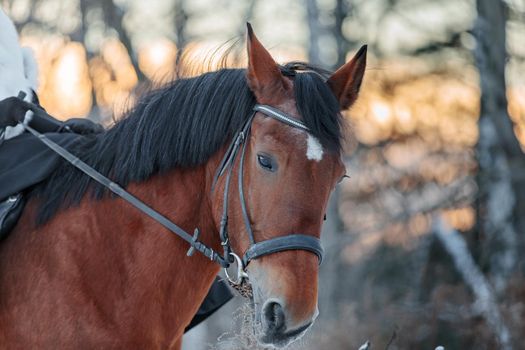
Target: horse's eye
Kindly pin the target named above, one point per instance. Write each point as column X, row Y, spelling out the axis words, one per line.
column 266, row 162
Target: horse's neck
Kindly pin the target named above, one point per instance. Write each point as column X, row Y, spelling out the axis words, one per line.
column 178, row 281
column 132, row 268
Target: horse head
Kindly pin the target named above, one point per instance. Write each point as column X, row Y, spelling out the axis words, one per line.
column 286, row 176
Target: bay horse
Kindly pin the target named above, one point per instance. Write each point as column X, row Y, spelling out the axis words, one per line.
column 85, row 269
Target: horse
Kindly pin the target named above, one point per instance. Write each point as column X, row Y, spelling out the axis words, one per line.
column 84, row 268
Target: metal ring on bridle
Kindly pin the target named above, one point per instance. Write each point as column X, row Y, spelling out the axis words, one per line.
column 241, row 274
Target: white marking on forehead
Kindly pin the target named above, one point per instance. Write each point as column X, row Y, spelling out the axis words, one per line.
column 314, row 150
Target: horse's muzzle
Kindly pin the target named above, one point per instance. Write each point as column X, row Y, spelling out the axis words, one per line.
column 275, row 331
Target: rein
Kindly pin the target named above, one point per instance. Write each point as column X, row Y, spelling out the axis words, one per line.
column 257, row 249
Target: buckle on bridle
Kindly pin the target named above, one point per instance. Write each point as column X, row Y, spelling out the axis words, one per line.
column 241, row 137
column 195, row 240
column 240, row 284
column 241, row 274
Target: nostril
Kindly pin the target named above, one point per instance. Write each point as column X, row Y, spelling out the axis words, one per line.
column 274, row 315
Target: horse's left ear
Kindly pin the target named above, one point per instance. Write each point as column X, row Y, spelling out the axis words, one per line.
column 264, row 76
column 346, row 81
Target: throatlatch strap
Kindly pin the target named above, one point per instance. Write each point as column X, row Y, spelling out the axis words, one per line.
column 244, row 207
column 228, row 161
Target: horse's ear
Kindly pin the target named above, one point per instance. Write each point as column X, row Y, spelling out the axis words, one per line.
column 263, row 74
column 346, row 81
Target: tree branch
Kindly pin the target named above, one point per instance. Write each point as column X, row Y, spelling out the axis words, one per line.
column 455, row 245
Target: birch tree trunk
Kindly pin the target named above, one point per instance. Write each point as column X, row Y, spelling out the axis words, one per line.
column 330, row 272
column 501, row 202
column 332, row 227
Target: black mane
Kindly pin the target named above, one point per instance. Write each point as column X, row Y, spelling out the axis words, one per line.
column 182, row 125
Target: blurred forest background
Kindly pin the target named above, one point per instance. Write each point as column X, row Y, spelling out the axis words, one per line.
column 425, row 242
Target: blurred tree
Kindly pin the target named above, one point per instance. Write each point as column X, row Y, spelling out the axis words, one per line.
column 315, row 29
column 114, row 18
column 501, row 203
column 332, row 228
column 180, row 20
column 342, row 10
column 326, row 29
column 332, row 268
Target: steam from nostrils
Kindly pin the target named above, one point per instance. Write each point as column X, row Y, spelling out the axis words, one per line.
column 241, row 336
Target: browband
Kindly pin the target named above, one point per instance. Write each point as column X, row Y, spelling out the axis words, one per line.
column 277, row 114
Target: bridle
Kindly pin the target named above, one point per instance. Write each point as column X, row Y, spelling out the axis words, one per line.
column 295, row 241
